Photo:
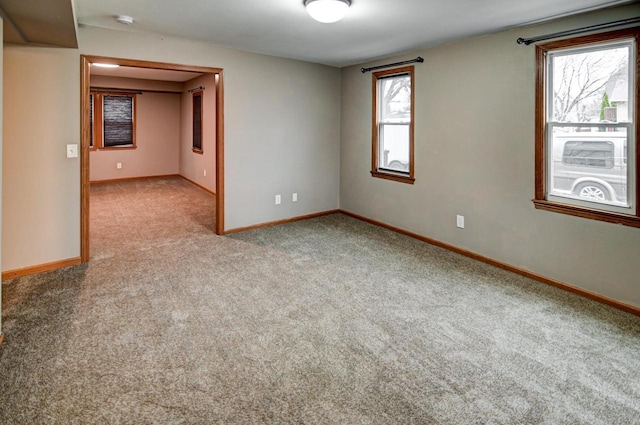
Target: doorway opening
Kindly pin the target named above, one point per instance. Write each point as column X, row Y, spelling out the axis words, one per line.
column 87, row 133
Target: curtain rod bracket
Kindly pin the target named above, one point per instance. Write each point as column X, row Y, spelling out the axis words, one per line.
column 389, row 65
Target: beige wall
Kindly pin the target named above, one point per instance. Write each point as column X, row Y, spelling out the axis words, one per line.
column 474, row 156
column 40, row 185
column 193, row 165
column 282, row 134
column 157, row 137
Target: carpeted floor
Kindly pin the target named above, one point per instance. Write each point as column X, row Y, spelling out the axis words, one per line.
column 324, row 321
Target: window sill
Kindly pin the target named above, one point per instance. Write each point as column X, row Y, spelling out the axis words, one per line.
column 198, row 151
column 394, row 177
column 609, row 217
column 116, row 148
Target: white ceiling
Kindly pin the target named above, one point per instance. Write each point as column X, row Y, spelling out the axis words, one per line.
column 372, row 29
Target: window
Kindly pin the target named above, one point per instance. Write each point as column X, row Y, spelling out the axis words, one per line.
column 112, row 120
column 586, row 127
column 197, row 122
column 91, row 127
column 117, row 124
column 393, row 114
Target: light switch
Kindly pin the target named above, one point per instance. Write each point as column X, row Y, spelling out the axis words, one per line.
column 72, row 151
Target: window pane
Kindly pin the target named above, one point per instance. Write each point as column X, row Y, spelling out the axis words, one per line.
column 118, row 120
column 394, row 147
column 589, row 165
column 395, row 99
column 590, row 85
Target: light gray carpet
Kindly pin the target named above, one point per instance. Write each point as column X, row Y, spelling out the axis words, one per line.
column 325, row 321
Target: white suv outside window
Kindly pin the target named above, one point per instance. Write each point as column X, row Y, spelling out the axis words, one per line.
column 591, row 166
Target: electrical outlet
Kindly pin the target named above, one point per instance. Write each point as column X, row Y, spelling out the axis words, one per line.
column 294, row 197
column 460, row 221
column 119, row 165
column 278, row 199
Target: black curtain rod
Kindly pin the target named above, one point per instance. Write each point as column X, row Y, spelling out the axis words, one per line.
column 196, row 89
column 373, row 68
column 527, row 41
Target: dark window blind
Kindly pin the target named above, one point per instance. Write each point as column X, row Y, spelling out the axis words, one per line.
column 197, row 121
column 118, row 120
column 91, row 120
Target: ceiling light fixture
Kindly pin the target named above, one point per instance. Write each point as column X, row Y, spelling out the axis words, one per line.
column 105, row 65
column 327, row 11
column 124, row 19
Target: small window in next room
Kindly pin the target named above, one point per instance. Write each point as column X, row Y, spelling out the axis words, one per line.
column 393, row 115
column 587, row 127
column 197, row 122
column 112, row 121
column 91, row 126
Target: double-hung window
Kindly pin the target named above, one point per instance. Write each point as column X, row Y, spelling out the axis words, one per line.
column 587, row 127
column 392, row 150
column 112, row 120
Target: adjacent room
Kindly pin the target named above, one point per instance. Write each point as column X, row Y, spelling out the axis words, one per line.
column 149, row 139
column 320, row 211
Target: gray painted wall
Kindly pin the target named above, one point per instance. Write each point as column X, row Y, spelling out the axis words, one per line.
column 474, row 156
column 282, row 123
column 282, row 134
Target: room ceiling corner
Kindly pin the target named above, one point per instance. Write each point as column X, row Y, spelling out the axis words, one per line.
column 39, row 22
